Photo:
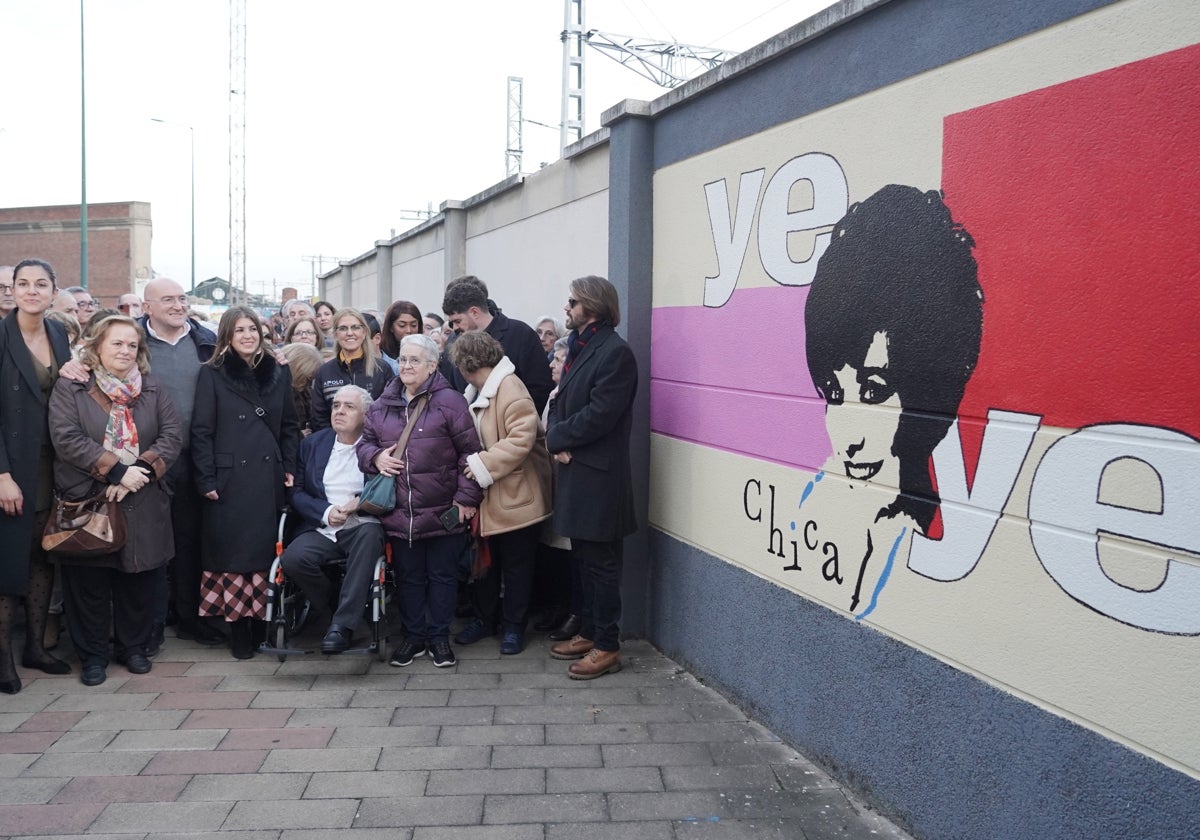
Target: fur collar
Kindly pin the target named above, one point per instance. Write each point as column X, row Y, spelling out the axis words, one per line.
column 250, row 380
column 481, row 398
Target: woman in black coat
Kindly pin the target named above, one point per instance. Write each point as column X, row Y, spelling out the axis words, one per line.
column 31, row 351
column 244, row 440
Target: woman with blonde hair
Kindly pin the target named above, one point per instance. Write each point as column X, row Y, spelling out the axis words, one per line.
column 303, row 360
column 118, row 430
column 355, row 362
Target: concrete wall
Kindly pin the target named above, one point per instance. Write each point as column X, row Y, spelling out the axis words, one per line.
column 526, row 238
column 942, row 536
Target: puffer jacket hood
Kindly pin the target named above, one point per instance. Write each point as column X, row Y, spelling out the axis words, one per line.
column 432, row 479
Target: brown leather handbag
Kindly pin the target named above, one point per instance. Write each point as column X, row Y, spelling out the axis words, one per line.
column 85, row 528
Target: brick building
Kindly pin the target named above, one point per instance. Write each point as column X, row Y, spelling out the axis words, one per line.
column 118, row 244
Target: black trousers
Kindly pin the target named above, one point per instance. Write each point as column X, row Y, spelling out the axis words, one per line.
column 514, row 557
column 600, row 567
column 185, row 565
column 360, row 547
column 93, row 596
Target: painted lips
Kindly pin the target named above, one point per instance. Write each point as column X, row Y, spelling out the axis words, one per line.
column 862, row 471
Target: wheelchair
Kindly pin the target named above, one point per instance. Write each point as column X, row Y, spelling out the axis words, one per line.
column 288, row 608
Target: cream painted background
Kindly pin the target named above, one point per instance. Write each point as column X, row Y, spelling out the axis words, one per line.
column 1007, row 622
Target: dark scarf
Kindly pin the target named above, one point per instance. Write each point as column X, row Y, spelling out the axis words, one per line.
column 579, row 340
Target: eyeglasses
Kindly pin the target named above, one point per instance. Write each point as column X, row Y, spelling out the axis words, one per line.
column 86, row 304
column 346, row 328
column 167, row 301
column 304, row 334
column 412, row 361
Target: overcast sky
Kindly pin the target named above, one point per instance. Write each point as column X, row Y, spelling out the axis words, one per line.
column 356, row 110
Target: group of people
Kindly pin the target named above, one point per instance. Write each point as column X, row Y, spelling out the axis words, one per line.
column 477, row 423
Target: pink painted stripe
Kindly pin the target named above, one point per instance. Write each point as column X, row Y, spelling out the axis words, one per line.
column 786, row 430
column 753, row 343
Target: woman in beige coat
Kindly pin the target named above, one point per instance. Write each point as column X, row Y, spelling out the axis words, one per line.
column 514, row 472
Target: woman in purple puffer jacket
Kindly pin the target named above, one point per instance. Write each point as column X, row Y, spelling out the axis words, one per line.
column 429, row 485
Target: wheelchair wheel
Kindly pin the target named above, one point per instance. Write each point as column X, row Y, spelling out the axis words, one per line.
column 280, row 639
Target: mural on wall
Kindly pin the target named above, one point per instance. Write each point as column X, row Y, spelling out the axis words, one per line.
column 952, row 391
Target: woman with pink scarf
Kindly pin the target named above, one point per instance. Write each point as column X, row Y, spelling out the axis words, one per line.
column 118, row 434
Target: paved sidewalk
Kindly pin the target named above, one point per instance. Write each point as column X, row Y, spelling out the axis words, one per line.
column 497, row 748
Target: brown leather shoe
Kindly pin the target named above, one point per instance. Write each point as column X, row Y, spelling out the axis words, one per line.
column 572, row 648
column 596, row 663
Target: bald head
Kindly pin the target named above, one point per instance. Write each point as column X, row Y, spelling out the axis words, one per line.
column 7, row 301
column 166, row 305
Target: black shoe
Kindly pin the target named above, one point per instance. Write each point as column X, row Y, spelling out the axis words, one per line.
column 93, row 675
column 241, row 642
column 441, row 654
column 551, row 620
column 406, row 653
column 568, row 629
column 12, row 686
column 472, row 633
column 336, row 640
column 48, row 664
column 136, row 663
column 513, row 641
column 200, row 633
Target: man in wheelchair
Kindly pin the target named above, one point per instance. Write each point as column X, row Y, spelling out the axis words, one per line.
column 327, row 486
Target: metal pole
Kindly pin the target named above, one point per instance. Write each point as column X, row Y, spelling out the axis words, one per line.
column 192, row 133
column 83, row 217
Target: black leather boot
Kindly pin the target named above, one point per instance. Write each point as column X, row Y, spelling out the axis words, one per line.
column 567, row 630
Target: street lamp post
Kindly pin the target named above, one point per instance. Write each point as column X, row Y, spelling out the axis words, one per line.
column 192, row 139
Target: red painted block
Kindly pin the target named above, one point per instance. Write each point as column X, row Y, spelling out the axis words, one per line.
column 195, row 762
column 237, row 719
column 203, row 700
column 51, row 722
column 28, row 742
column 106, row 789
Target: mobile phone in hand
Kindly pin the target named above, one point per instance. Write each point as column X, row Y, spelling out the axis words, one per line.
column 449, row 519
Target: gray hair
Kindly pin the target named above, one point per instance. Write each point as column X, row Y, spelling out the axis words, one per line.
column 432, row 353
column 294, row 302
column 364, row 396
column 563, row 343
column 559, row 328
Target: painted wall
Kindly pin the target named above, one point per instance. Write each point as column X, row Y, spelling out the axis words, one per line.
column 956, row 441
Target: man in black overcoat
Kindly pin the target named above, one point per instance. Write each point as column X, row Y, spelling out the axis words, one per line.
column 589, row 425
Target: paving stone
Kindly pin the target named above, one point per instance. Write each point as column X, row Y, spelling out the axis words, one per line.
column 496, row 697
column 161, row 816
column 802, row 775
column 267, row 682
column 27, row 742
column 776, row 829
column 556, row 679
column 655, row 755
column 320, row 665
column 204, row 700
column 69, row 683
column 434, row 758
column 450, row 782
column 191, row 762
column 495, row 735
column 29, row 791
column 642, row 714
column 14, row 764
column 301, row 761
column 661, row 830
column 443, row 716
column 339, row 834
column 144, row 719
column 244, row 786
column 603, row 779
column 339, row 717
column 503, row 665
column 303, row 699
column 587, row 692
column 82, row 742
column 583, row 713
column 720, row 777
column 157, row 683
column 49, row 722
column 680, row 693
column 122, row 789
column 402, row 811
column 709, row 732
column 384, row 736
column 371, row 698
column 167, row 739
column 481, row 832
column 597, row 733
column 715, row 712
column 171, row 669
column 820, row 806
column 53, row 820
column 236, row 719
column 573, row 755
column 547, row 807
column 271, row 834
column 92, row 837
column 350, row 784
column 25, row 702
column 65, row 765
column 233, row 668
column 99, row 702
column 391, row 681
column 9, row 721
column 759, row 752
column 442, row 679
column 276, row 738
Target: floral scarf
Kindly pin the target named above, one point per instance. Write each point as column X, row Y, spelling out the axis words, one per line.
column 120, row 436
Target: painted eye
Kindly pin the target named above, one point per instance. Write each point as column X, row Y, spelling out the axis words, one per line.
column 875, row 391
column 832, row 391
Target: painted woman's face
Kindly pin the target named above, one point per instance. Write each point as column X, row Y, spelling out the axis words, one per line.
column 862, row 414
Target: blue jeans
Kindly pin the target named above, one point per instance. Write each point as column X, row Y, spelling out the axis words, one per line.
column 428, row 585
column 600, row 568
